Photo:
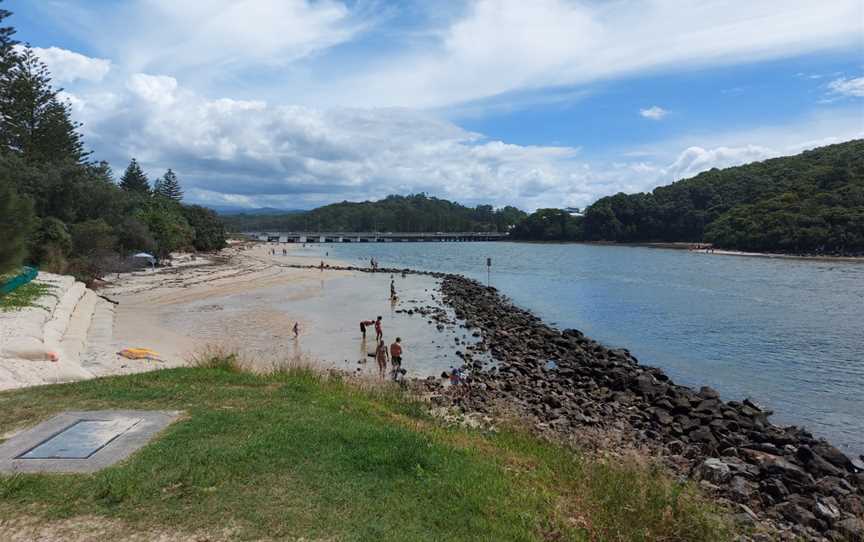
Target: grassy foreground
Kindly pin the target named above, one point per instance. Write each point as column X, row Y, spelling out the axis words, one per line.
column 294, row 455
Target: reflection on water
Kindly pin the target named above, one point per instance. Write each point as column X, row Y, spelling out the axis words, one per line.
column 787, row 332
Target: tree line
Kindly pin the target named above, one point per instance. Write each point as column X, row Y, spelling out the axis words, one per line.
column 64, row 211
column 811, row 203
column 413, row 213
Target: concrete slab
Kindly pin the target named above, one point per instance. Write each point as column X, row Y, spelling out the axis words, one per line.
column 82, row 442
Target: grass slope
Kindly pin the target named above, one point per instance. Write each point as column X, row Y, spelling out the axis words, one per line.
column 295, row 455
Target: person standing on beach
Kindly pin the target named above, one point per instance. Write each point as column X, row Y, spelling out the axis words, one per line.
column 381, row 357
column 392, row 288
column 296, row 329
column 379, row 333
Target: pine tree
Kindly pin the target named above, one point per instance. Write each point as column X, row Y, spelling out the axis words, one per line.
column 7, row 44
column 134, row 180
column 33, row 120
column 169, row 186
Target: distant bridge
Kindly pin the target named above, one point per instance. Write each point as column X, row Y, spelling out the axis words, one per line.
column 374, row 237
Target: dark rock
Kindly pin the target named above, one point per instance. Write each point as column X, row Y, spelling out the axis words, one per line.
column 797, row 514
column 833, row 455
column 714, row 470
column 708, row 393
column 851, row 528
column 816, row 462
column 775, row 489
column 740, row 489
column 676, row 447
column 827, row 509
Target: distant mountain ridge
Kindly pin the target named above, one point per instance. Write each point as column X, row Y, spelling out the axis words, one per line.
column 228, row 210
column 413, row 213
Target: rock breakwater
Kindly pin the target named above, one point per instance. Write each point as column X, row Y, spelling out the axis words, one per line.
column 568, row 382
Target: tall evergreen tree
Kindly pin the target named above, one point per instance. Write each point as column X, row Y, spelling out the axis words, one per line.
column 33, row 120
column 169, row 186
column 7, row 44
column 134, row 180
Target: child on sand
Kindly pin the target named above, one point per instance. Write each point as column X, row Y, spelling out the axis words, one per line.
column 381, row 356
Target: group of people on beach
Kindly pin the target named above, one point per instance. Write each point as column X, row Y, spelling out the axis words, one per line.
column 382, row 354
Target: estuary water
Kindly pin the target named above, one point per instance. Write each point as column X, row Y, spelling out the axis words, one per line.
column 788, row 333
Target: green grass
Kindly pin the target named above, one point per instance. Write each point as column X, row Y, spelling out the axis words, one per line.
column 294, row 455
column 24, row 296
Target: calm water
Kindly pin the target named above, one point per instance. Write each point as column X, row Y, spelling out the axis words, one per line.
column 788, row 333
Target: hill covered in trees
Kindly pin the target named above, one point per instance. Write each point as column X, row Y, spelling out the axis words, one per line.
column 810, row 203
column 60, row 209
column 414, row 213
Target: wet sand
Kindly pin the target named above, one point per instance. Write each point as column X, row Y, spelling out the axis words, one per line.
column 250, row 305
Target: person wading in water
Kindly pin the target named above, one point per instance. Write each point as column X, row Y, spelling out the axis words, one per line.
column 396, row 357
column 379, row 333
column 381, row 357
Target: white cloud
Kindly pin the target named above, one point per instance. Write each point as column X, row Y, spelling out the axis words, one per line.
column 230, row 151
column 848, row 87
column 655, row 112
column 189, row 37
column 159, row 89
column 68, row 66
column 254, row 153
column 502, row 46
column 695, row 160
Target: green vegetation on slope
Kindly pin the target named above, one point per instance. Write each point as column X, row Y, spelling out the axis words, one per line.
column 23, row 296
column 809, row 203
column 63, row 211
column 295, row 455
column 414, row 213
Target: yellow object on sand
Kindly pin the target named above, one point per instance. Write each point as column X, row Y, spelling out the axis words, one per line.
column 139, row 353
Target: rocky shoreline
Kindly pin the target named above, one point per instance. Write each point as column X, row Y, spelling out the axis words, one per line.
column 568, row 384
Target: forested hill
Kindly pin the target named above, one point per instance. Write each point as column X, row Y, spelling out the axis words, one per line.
column 415, row 213
column 811, row 203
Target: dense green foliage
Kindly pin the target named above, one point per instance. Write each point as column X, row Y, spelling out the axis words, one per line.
column 414, row 213
column 63, row 211
column 209, row 232
column 293, row 455
column 549, row 225
column 810, row 203
column 16, row 220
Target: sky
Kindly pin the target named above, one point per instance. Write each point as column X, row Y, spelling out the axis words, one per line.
column 549, row 103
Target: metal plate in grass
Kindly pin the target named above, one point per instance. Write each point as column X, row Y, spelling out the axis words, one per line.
column 82, row 441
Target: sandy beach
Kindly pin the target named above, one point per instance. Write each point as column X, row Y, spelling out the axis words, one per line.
column 247, row 301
